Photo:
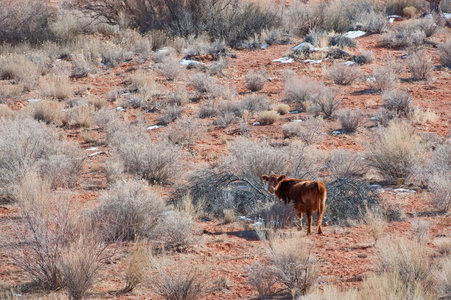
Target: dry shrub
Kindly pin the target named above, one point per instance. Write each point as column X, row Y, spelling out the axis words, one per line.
column 56, row 87
column 229, row 216
column 63, row 168
column 420, row 229
column 209, row 109
column 79, row 265
column 376, row 222
column 202, row 83
column 443, row 278
column 175, row 230
column 408, row 261
column 386, row 78
column 327, row 102
column 267, row 117
column 300, row 90
column 256, row 103
column 25, row 21
column 171, row 113
column 225, row 119
column 310, row 131
column 178, row 97
column 39, row 241
column 445, row 53
column 439, row 185
column 149, row 160
column 423, row 116
column 170, row 68
column 129, row 210
column 81, row 67
column 403, row 37
column 409, row 11
column 97, row 102
column 26, row 144
column 262, row 278
column 346, row 164
column 281, row 108
column 255, row 81
column 135, row 273
column 81, row 115
column 368, row 56
column 173, row 281
column 6, row 112
column 276, row 215
column 344, row 75
column 395, row 150
column 420, row 65
column 20, row 68
column 349, row 120
column 295, row 266
column 185, row 131
column 398, row 102
column 347, row 198
column 303, row 91
column 253, row 159
column 114, row 170
column 218, row 66
column 396, row 7
column 112, row 54
column 373, row 22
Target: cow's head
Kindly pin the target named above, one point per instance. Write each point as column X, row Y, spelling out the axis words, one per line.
column 273, row 181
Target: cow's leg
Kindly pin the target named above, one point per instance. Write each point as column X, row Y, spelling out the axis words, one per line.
column 309, row 222
column 300, row 220
column 320, row 220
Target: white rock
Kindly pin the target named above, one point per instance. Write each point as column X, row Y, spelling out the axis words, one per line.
column 92, row 149
column 297, row 121
column 374, row 119
column 120, row 108
column 401, row 190
column 257, row 224
column 304, row 45
column 349, row 63
column 153, row 127
column 312, row 61
column 284, row 60
column 96, row 153
column 336, row 132
column 188, row 62
column 354, row 34
column 371, row 79
column 246, row 219
column 256, row 123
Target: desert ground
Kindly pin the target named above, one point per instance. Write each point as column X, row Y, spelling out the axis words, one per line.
column 133, row 138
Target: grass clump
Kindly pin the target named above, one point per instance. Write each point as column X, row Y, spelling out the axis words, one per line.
column 267, row 117
column 349, row 120
column 344, row 75
column 255, row 81
column 394, row 151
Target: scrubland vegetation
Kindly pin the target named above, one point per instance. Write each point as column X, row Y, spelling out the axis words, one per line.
column 134, row 134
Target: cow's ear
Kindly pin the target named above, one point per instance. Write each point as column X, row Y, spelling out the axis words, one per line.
column 265, row 177
column 281, row 177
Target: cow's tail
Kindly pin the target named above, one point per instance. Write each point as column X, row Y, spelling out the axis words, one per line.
column 322, row 192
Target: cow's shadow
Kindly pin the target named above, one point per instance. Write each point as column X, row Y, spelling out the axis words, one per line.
column 248, row 235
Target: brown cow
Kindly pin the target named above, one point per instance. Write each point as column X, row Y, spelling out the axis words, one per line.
column 308, row 196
